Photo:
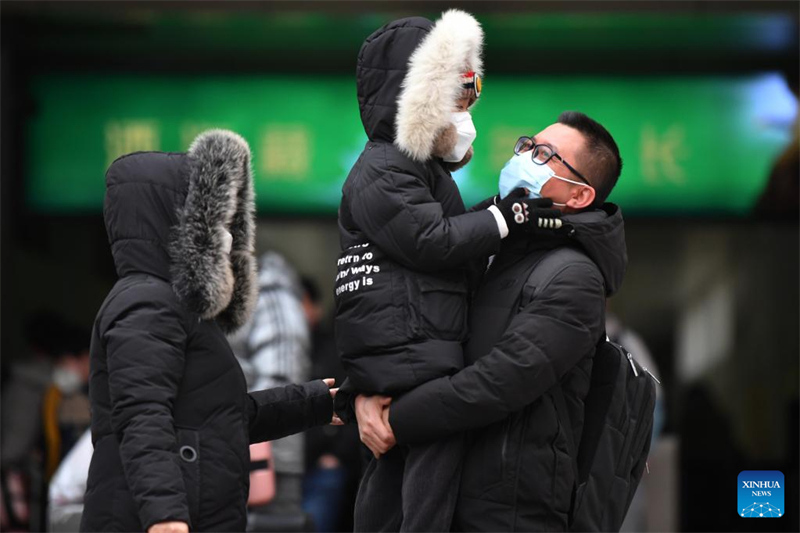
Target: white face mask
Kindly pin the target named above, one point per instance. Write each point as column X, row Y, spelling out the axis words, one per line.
column 227, row 242
column 521, row 171
column 67, row 380
column 466, row 134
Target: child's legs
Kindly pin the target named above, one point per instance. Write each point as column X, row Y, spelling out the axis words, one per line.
column 379, row 499
column 430, row 484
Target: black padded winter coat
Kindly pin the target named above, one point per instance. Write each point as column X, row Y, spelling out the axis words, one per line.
column 171, row 416
column 528, row 334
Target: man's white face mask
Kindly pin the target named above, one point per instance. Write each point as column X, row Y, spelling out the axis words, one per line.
column 521, row 171
column 466, row 135
column 227, row 242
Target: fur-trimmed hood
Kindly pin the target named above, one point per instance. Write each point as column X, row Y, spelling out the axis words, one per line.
column 166, row 213
column 409, row 78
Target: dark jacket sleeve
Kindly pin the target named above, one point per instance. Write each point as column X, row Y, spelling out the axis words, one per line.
column 398, row 213
column 282, row 411
column 145, row 341
column 484, row 204
column 345, row 402
column 543, row 341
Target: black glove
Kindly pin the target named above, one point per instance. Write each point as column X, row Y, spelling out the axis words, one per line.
column 522, row 214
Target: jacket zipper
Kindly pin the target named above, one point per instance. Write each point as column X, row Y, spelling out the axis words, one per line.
column 504, row 448
column 523, row 432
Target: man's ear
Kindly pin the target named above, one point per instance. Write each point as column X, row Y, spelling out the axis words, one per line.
column 582, row 197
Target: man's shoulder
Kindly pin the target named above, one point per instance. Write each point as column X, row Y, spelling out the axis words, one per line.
column 567, row 263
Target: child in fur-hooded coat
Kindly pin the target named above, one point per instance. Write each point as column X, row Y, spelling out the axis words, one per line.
column 408, row 247
column 171, row 416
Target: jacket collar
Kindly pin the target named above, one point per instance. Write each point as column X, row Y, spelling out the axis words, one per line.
column 600, row 233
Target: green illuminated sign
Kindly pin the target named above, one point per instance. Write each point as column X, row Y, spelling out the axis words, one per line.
column 689, row 144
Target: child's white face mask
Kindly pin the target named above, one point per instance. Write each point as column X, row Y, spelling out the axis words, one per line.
column 466, row 135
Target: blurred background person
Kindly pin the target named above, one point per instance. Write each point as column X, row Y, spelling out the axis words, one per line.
column 25, row 380
column 65, row 409
column 45, row 408
column 68, row 485
column 274, row 350
column 30, row 377
column 66, row 418
column 332, row 458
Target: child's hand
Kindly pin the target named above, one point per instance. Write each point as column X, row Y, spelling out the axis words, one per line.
column 523, row 214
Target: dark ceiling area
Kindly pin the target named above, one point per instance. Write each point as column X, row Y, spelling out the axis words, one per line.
column 323, row 37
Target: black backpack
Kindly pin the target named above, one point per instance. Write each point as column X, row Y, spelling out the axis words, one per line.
column 618, row 423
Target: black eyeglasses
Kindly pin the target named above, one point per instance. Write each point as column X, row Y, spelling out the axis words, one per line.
column 542, row 153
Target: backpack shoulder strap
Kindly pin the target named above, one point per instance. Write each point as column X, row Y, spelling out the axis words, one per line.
column 543, row 271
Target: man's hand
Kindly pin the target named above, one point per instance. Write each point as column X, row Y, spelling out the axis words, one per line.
column 335, row 421
column 169, row 527
column 372, row 413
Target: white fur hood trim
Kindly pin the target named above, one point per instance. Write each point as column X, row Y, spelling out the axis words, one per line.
column 432, row 84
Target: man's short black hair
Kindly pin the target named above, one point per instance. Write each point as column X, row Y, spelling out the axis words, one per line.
column 603, row 163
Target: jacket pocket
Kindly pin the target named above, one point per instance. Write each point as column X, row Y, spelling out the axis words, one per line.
column 443, row 307
column 487, row 466
column 189, row 455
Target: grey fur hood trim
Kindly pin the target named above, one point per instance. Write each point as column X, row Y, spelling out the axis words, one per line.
column 432, row 84
column 219, row 196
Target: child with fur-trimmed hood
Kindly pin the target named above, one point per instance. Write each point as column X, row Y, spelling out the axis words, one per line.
column 409, row 246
